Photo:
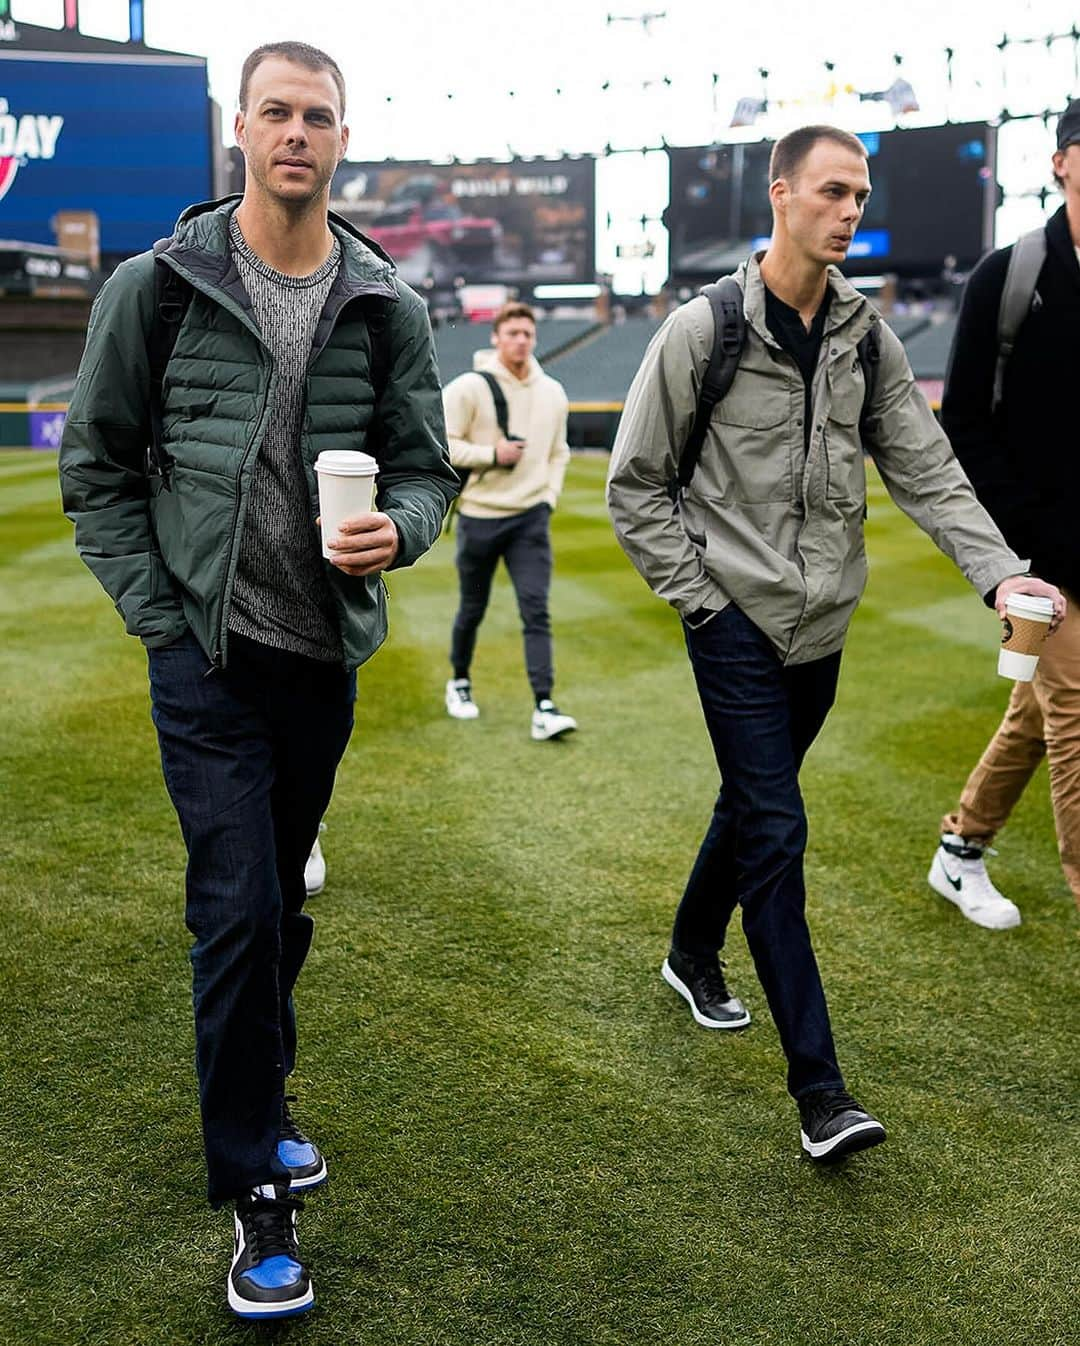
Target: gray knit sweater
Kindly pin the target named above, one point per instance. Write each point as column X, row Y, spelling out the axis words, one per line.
column 281, row 596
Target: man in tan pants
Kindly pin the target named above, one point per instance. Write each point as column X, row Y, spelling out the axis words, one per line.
column 1024, row 462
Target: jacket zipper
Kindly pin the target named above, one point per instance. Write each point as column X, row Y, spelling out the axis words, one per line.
column 218, row 660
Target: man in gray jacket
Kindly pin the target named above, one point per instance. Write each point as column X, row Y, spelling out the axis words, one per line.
column 764, row 561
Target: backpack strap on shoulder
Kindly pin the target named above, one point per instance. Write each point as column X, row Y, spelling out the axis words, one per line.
column 729, row 334
column 1028, row 255
column 869, row 352
column 172, row 295
column 502, row 412
column 375, row 316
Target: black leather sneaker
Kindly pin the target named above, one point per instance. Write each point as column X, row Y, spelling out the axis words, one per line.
column 302, row 1157
column 701, row 984
column 834, row 1125
column 267, row 1278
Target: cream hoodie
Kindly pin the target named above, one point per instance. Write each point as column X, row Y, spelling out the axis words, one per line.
column 537, row 408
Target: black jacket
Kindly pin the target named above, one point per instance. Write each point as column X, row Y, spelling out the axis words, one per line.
column 1024, row 462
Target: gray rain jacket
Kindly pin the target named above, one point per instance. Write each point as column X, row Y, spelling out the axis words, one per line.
column 764, row 523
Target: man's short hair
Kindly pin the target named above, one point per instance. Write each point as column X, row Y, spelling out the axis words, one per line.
column 514, row 309
column 299, row 53
column 789, row 151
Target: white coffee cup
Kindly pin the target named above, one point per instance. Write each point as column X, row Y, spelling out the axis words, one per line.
column 1027, row 620
column 346, row 489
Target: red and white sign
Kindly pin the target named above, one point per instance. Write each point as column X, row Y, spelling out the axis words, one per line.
column 22, row 139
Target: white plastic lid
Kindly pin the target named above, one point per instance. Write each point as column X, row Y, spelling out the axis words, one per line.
column 1027, row 605
column 346, row 463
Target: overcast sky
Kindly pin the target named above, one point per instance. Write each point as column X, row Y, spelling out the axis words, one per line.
column 431, row 79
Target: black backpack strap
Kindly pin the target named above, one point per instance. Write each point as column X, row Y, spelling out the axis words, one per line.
column 869, row 352
column 376, row 316
column 172, row 294
column 1025, row 263
column 502, row 412
column 729, row 333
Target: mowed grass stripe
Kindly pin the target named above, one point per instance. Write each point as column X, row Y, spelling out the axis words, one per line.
column 530, row 1141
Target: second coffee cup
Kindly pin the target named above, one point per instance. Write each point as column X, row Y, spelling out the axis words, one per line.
column 1027, row 621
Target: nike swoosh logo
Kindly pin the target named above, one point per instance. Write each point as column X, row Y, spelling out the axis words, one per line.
column 956, row 883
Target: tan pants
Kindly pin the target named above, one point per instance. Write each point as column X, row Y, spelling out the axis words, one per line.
column 1043, row 717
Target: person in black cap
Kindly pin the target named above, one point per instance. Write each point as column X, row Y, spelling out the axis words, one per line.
column 1021, row 456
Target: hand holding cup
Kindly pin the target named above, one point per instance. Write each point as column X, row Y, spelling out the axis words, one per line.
column 1029, row 610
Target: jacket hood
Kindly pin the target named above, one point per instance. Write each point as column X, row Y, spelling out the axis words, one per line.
column 489, row 362
column 204, row 227
column 846, row 304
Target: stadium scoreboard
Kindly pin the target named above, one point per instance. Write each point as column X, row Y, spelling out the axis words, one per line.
column 931, row 207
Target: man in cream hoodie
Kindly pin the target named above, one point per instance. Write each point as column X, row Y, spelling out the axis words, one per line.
column 515, row 474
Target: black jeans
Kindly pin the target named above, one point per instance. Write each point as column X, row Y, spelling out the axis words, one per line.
column 523, row 541
column 249, row 754
column 762, row 717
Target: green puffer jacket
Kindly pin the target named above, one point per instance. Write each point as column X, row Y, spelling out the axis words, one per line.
column 166, row 549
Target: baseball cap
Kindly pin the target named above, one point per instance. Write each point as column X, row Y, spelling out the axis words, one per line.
column 1068, row 127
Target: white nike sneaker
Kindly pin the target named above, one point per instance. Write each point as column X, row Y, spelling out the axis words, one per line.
column 459, row 702
column 315, row 869
column 549, row 722
column 959, row 874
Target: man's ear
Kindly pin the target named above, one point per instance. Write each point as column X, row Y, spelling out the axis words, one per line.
column 238, row 130
column 779, row 191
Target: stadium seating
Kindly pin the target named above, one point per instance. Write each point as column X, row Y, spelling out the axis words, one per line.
column 928, row 349
column 457, row 342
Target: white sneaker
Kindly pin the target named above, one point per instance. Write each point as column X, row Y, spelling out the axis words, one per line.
column 547, row 722
column 959, row 874
column 459, row 702
column 315, row 869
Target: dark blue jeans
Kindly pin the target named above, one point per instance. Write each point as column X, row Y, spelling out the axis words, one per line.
column 762, row 717
column 523, row 541
column 249, row 754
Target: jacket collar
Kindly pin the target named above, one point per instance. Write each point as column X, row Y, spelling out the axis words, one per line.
column 1059, row 241
column 200, row 250
column 847, row 306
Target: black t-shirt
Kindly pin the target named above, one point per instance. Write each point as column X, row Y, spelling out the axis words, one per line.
column 786, row 325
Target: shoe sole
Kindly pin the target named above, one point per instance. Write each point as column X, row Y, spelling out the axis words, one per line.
column 682, row 989
column 314, row 892
column 861, row 1136
column 945, row 889
column 246, row 1308
column 542, row 737
column 312, row 1180
column 455, row 715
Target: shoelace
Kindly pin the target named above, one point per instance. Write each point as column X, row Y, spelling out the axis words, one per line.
column 268, row 1227
column 833, row 1102
column 289, row 1130
column 712, row 982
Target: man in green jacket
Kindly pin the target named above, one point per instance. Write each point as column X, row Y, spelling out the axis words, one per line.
column 296, row 338
column 764, row 561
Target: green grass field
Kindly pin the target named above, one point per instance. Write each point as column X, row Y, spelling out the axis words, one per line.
column 530, row 1141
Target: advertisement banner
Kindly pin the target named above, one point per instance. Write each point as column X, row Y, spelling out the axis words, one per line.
column 931, row 204
column 126, row 137
column 524, row 222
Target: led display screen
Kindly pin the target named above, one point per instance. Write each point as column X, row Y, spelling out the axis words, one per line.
column 524, row 222
column 932, row 199
column 127, row 137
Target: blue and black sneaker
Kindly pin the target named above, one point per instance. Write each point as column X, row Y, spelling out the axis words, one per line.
column 303, row 1158
column 267, row 1278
